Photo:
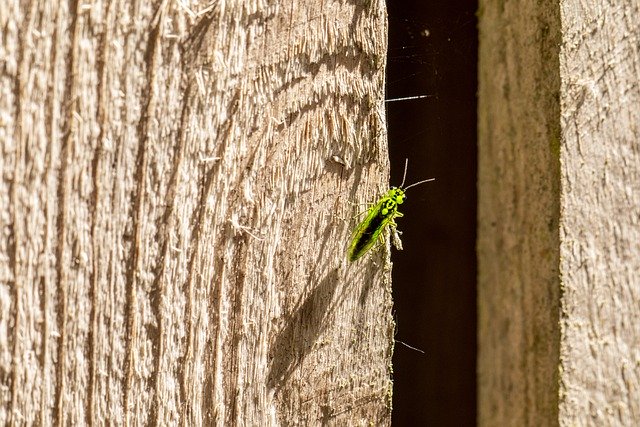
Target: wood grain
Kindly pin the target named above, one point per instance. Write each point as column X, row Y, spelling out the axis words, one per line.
column 600, row 226
column 559, row 184
column 174, row 221
column 518, row 214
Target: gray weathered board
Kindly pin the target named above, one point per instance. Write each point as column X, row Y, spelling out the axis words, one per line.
column 177, row 188
column 559, row 213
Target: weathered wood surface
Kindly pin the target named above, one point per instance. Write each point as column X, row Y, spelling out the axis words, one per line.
column 559, row 236
column 518, row 239
column 600, row 223
column 173, row 214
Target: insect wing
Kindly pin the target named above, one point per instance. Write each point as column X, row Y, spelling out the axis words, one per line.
column 368, row 231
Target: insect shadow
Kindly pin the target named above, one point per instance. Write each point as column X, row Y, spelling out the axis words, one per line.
column 302, row 329
column 308, row 320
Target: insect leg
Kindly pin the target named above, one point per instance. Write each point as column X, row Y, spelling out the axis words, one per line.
column 395, row 238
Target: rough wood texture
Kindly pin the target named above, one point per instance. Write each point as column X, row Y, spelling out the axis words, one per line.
column 174, row 221
column 559, row 214
column 518, row 211
column 600, row 224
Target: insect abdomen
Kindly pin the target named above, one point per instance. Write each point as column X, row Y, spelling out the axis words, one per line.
column 367, row 236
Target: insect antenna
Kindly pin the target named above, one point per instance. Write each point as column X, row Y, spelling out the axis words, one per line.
column 404, row 176
column 418, row 183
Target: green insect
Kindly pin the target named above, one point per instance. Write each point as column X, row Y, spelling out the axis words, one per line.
column 379, row 216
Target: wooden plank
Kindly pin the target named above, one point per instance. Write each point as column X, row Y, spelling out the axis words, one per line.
column 559, row 183
column 175, row 221
column 600, row 225
column 518, row 213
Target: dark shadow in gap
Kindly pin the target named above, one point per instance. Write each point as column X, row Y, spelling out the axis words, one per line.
column 433, row 51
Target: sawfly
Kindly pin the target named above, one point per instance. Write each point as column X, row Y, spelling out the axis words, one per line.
column 379, row 216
